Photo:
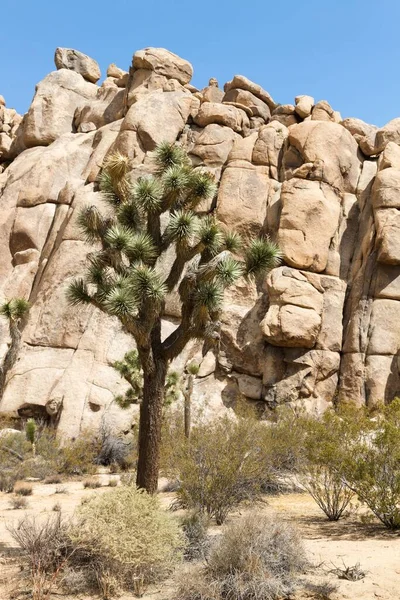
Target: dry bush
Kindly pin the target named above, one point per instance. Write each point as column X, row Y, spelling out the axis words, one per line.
column 115, row 450
column 61, row 489
column 75, row 581
column 92, row 483
column 18, row 502
column 256, row 558
column 22, row 488
column 35, row 467
column 124, row 534
column 77, row 457
column 8, row 478
column 70, row 457
column 223, row 465
column 113, row 482
column 195, row 527
column 53, row 479
column 45, row 549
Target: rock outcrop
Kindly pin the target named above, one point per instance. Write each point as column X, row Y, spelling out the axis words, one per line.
column 324, row 327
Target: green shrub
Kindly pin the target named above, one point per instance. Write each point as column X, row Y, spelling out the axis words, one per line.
column 256, row 558
column 14, row 448
column 327, row 444
column 124, row 532
column 373, row 467
column 77, row 456
column 223, row 465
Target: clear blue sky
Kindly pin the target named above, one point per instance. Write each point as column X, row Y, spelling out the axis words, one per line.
column 344, row 51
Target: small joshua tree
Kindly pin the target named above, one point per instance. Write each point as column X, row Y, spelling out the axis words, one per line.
column 192, row 370
column 128, row 275
column 30, row 432
column 14, row 311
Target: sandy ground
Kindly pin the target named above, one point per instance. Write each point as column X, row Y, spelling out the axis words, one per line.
column 328, row 545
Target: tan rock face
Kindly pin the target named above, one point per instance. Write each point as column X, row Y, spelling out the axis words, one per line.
column 325, row 323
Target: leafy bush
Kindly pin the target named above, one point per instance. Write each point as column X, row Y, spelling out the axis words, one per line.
column 327, row 444
column 373, row 467
column 23, row 489
column 14, row 448
column 124, row 532
column 257, row 557
column 222, row 466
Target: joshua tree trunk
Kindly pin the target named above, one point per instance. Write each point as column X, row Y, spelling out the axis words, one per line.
column 188, row 405
column 12, row 353
column 150, row 426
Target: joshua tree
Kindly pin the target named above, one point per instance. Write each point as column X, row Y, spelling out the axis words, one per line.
column 192, row 370
column 14, row 310
column 30, row 432
column 155, row 240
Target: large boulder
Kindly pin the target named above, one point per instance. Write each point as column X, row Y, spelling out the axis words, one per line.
column 159, row 116
column 52, row 111
column 68, row 58
column 242, row 83
column 243, row 197
column 163, row 62
column 222, row 114
column 248, row 102
column 305, row 310
column 213, row 144
column 309, row 219
column 333, row 147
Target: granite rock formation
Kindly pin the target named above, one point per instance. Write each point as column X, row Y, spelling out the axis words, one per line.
column 324, row 327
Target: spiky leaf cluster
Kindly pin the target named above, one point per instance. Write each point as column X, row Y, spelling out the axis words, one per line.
column 15, row 309
column 127, row 275
column 130, row 369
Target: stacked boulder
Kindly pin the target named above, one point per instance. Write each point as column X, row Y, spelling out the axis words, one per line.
column 321, row 327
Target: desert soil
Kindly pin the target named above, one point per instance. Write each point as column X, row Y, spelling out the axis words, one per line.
column 328, row 545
